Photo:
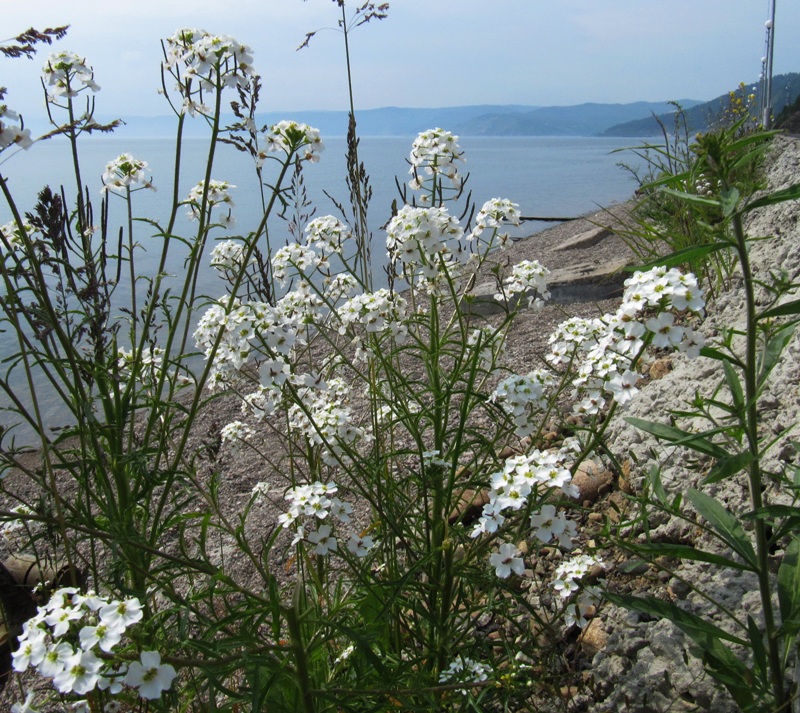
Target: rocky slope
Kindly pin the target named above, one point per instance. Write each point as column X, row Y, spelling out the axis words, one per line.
column 644, row 665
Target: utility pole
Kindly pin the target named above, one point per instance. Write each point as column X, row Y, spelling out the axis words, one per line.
column 766, row 118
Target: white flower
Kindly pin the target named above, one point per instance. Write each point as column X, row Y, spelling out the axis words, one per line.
column 527, row 277
column 218, row 194
column 360, row 545
column 80, row 673
column 623, row 386
column 665, row 332
column 435, row 152
column 228, row 255
column 213, row 60
column 291, row 137
column 121, row 614
column 104, row 635
column 66, row 74
column 26, row 706
column 505, row 561
column 547, row 523
column 236, row 431
column 323, row 540
column 494, row 214
column 568, row 574
column 124, row 172
column 465, row 670
column 150, row 676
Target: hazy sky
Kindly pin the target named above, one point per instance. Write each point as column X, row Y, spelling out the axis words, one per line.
column 427, row 53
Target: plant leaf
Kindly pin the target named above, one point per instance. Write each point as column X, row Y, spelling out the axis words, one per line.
column 726, row 467
column 734, row 386
column 679, row 257
column 786, row 194
column 773, row 351
column 724, row 524
column 718, row 355
column 695, row 441
column 700, row 630
column 783, row 310
column 730, row 199
column 691, row 198
column 759, row 651
column 685, row 552
column 789, row 588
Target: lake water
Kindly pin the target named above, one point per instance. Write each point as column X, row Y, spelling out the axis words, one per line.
column 546, row 176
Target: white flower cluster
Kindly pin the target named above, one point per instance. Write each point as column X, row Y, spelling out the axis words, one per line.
column 569, row 574
column 216, row 61
column 148, row 368
column 124, row 172
column 579, row 611
column 703, row 186
column 236, row 432
column 491, row 344
column 523, row 396
column 66, row 74
column 322, row 415
column 316, row 506
column 465, row 670
column 12, row 237
column 11, row 529
column 607, row 347
column 228, row 256
column 217, row 195
column 291, row 137
column 11, row 134
column 62, row 639
column 380, row 311
column 527, row 277
column 495, row 213
column 435, row 152
column 548, row 523
column 327, row 234
column 231, row 327
column 523, row 476
column 419, row 241
column 301, row 258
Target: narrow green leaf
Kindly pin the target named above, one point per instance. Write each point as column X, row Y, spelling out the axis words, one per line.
column 726, row 467
column 773, row 351
column 691, row 198
column 701, row 631
column 783, row 310
column 785, row 519
column 675, row 435
column 725, row 667
column 685, row 552
column 658, row 486
column 724, row 524
column 760, row 137
column 786, row 194
column 789, row 588
column 734, row 386
column 759, row 652
column 769, row 512
column 718, row 355
column 730, row 199
column 679, row 257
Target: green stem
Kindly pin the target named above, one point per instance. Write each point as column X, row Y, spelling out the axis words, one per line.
column 304, row 678
column 754, row 470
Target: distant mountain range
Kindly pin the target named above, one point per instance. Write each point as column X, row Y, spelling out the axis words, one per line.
column 785, row 90
column 637, row 119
